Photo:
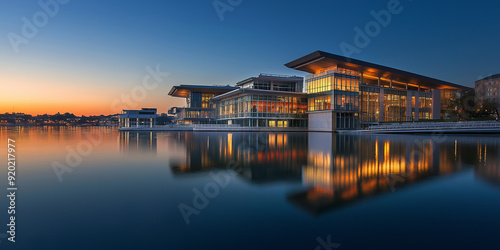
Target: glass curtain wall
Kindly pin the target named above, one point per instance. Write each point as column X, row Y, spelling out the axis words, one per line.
column 252, row 106
column 425, row 105
column 370, row 104
column 394, row 105
column 336, row 89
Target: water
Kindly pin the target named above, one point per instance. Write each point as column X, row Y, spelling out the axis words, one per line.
column 273, row 190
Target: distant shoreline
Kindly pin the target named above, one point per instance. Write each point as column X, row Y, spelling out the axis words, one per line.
column 53, row 125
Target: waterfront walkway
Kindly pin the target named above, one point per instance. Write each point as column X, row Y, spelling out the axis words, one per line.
column 472, row 127
column 212, row 128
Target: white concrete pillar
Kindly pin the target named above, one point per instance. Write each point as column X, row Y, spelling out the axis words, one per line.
column 436, row 104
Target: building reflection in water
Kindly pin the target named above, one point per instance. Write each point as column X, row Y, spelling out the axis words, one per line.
column 335, row 169
column 262, row 156
column 344, row 168
column 347, row 168
column 488, row 167
column 138, row 142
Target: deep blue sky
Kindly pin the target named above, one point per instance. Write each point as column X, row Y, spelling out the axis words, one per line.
column 96, row 46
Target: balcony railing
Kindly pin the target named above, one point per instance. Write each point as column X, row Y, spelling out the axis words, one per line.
column 436, row 125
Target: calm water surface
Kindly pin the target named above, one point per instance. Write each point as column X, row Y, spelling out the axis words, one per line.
column 185, row 190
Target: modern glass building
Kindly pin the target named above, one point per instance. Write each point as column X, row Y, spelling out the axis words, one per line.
column 273, row 82
column 345, row 93
column 199, row 108
column 264, row 101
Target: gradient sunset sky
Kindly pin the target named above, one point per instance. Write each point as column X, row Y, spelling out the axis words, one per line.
column 92, row 52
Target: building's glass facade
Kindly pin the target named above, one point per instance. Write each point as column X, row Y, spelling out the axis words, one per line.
column 365, row 99
column 264, row 110
column 346, row 93
column 425, row 106
column 199, row 108
column 370, row 103
column 273, row 82
column 195, row 116
column 264, row 101
column 199, row 100
column 198, row 113
column 335, row 89
column 395, row 105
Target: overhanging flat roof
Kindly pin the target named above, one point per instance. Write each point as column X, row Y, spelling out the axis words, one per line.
column 319, row 60
column 184, row 90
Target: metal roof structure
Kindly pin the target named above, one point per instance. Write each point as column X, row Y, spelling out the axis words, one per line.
column 319, row 60
column 184, row 90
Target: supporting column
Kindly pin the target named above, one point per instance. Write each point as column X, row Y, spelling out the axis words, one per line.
column 379, row 81
column 408, row 105
column 362, row 80
column 436, row 104
column 391, row 84
column 137, row 122
column 406, row 86
column 334, row 121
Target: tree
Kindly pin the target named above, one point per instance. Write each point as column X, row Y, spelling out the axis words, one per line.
column 490, row 107
column 463, row 105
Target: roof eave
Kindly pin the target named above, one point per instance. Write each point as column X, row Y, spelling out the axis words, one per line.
column 301, row 63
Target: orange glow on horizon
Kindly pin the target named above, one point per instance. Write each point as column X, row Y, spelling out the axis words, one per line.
column 40, row 90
